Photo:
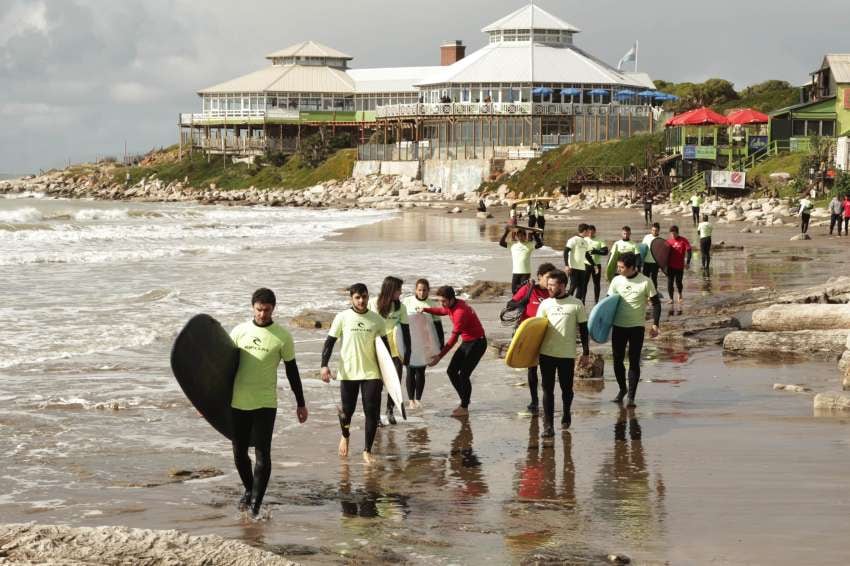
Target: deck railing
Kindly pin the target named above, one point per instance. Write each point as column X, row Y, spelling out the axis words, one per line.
column 275, row 113
column 509, row 109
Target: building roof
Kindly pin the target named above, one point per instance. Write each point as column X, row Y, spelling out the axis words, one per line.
column 839, row 64
column 309, row 49
column 522, row 19
column 399, row 79
column 510, row 63
column 288, row 78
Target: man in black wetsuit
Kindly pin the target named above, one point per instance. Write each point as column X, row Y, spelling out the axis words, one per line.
column 262, row 344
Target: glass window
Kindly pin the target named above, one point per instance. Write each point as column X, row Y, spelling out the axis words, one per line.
column 812, row 127
column 798, row 128
column 828, row 128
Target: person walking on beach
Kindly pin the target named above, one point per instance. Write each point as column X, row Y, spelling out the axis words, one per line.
column 650, row 266
column 566, row 317
column 648, row 201
column 625, row 245
column 598, row 249
column 358, row 371
column 521, row 248
column 836, row 210
column 805, row 213
column 388, row 305
column 636, row 291
column 531, row 213
column 704, row 230
column 678, row 261
column 512, row 216
column 467, row 327
column 540, row 213
column 696, row 203
column 416, row 375
column 531, row 296
column 576, row 258
column 846, row 214
column 262, row 344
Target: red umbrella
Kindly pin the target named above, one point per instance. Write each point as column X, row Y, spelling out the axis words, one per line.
column 747, row 116
column 702, row 117
column 677, row 119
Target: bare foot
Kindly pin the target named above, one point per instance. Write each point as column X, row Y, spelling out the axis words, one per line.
column 343, row 447
column 670, row 302
column 411, row 404
column 368, row 458
column 460, row 412
column 681, row 300
column 418, row 404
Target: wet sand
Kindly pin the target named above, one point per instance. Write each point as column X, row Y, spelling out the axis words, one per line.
column 712, row 467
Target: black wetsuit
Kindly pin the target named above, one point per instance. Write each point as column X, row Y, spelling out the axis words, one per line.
column 631, row 337
column 463, row 363
column 565, row 370
column 415, row 381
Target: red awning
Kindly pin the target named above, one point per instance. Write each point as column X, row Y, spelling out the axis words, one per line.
column 677, row 119
column 702, row 117
column 747, row 116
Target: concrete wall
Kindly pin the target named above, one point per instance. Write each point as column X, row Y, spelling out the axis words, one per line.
column 514, row 165
column 455, row 177
column 401, row 168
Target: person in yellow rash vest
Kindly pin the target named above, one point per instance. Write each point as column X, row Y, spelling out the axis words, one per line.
column 388, row 304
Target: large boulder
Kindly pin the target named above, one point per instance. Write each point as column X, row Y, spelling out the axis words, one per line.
column 832, row 401
column 313, row 320
column 801, row 344
column 486, row 289
column 802, row 317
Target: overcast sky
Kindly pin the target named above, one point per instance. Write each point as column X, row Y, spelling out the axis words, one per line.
column 79, row 77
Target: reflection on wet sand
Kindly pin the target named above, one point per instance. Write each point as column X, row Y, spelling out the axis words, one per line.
column 369, row 501
column 465, row 468
column 623, row 494
column 536, row 479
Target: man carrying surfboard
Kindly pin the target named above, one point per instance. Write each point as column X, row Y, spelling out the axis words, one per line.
column 678, row 261
column 531, row 296
column 262, row 344
column 388, row 305
column 416, row 374
column 577, row 257
column 636, row 291
column 650, row 266
column 521, row 248
column 359, row 371
column 598, row 248
column 566, row 317
column 468, row 328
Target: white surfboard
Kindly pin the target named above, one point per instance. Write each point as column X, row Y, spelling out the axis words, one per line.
column 424, row 342
column 399, row 341
column 390, row 377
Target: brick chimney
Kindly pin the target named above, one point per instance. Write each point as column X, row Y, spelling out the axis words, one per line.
column 451, row 52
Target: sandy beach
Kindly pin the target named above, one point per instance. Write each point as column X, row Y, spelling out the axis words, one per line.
column 713, row 466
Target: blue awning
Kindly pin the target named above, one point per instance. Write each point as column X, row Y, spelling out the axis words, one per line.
column 648, row 93
column 572, row 91
column 599, row 92
column 542, row 90
column 665, row 96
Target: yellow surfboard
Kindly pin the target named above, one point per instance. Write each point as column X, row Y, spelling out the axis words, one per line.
column 525, row 346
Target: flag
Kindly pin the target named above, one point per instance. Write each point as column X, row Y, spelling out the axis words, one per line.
column 630, row 56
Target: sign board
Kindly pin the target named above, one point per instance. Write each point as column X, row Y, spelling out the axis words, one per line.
column 728, row 179
column 707, row 152
column 756, row 143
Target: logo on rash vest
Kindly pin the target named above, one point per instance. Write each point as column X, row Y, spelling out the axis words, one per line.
column 256, row 345
column 361, row 327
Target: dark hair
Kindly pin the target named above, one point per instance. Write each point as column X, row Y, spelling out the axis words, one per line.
column 423, row 281
column 705, row 217
column 674, row 229
column 656, row 225
column 263, row 296
column 358, row 289
column 628, row 259
column 385, row 298
column 545, row 268
column 559, row 276
column 582, row 227
column 627, row 228
column 591, row 227
column 447, row 292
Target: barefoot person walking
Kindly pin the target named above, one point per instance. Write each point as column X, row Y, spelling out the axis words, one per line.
column 262, row 344
column 416, row 375
column 388, row 305
column 678, row 261
column 566, row 317
column 358, row 372
column 650, row 266
column 467, row 327
column 636, row 291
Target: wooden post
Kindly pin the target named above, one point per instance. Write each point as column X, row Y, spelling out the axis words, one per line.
column 179, row 140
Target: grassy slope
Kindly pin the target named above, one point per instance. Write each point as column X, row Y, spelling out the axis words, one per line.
column 294, row 174
column 556, row 167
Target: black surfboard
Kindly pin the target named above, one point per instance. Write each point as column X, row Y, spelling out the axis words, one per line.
column 204, row 360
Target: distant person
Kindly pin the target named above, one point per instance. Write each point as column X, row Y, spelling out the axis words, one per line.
column 389, row 306
column 532, row 295
column 358, row 371
column 598, row 249
column 416, row 375
column 836, row 210
column 467, row 327
column 531, row 213
column 577, row 258
column 650, row 267
column 521, row 248
column 677, row 262
column 696, row 203
column 636, row 291
column 482, row 206
column 704, row 230
column 566, row 318
column 648, row 201
column 846, row 213
column 540, row 214
column 512, row 216
column 805, row 214
column 262, row 344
